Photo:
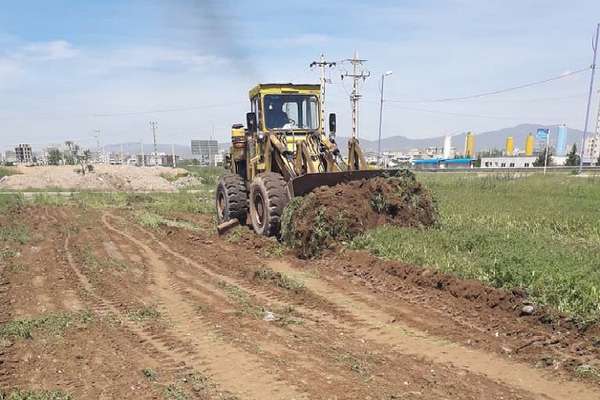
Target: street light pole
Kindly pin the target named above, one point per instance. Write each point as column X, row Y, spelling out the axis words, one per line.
column 587, row 113
column 381, row 116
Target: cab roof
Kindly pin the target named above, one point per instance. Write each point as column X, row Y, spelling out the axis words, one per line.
column 275, row 88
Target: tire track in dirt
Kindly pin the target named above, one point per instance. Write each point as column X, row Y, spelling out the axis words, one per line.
column 159, row 347
column 349, row 322
column 337, row 316
column 249, row 379
column 406, row 340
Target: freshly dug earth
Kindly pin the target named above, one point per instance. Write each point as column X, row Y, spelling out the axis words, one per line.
column 334, row 214
column 95, row 306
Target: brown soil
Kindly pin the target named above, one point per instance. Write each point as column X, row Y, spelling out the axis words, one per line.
column 190, row 307
column 103, row 178
column 339, row 213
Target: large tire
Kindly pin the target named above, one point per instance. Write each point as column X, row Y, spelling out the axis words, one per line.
column 268, row 198
column 232, row 198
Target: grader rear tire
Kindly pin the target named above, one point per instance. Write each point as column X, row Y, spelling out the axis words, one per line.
column 232, row 199
column 268, row 198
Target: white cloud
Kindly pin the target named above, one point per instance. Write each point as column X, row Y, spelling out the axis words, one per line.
column 150, row 57
column 303, row 40
column 47, row 51
column 8, row 68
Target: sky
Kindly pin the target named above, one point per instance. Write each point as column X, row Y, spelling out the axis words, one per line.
column 71, row 68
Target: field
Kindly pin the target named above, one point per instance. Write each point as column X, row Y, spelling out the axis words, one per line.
column 6, row 171
column 133, row 295
column 541, row 234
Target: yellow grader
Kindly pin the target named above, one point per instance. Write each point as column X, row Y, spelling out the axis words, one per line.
column 282, row 152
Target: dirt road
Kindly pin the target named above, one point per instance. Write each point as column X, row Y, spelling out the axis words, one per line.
column 177, row 314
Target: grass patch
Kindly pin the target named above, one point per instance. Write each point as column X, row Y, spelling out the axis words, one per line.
column 357, row 365
column 146, row 313
column 35, row 395
column 14, row 233
column 44, row 199
column 11, row 201
column 51, row 324
column 100, row 200
column 278, row 279
column 283, row 316
column 154, row 221
column 539, row 233
column 8, row 254
column 95, row 263
column 4, row 171
column 150, row 374
column 588, row 371
column 240, row 296
column 208, row 175
column 175, row 392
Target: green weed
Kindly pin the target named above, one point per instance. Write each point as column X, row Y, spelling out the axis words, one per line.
column 144, row 314
column 175, row 392
column 154, row 221
column 96, row 263
column 538, row 233
column 588, row 371
column 51, row 324
column 35, row 395
column 44, row 199
column 11, row 201
column 150, row 374
column 242, row 298
column 278, row 279
column 14, row 233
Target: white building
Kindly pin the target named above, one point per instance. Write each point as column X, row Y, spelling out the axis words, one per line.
column 591, row 149
column 517, row 162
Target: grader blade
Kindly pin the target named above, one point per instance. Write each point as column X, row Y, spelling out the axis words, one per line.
column 305, row 184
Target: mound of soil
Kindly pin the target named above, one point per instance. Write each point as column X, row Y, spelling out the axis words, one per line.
column 339, row 213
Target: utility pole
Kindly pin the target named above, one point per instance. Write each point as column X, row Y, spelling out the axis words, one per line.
column 143, row 163
column 122, row 158
column 357, row 73
column 96, row 135
column 547, row 151
column 322, row 64
column 587, row 113
column 173, row 155
column 381, row 116
column 153, row 126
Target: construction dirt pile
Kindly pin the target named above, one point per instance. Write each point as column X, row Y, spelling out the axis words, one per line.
column 317, row 221
column 103, row 178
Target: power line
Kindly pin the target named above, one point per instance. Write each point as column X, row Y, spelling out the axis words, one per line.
column 166, row 110
column 461, row 114
column 322, row 64
column 494, row 92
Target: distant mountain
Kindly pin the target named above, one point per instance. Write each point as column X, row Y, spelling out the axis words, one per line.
column 483, row 141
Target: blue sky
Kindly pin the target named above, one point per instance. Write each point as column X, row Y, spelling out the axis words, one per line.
column 70, row 67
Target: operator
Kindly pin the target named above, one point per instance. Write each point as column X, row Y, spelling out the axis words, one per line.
column 276, row 117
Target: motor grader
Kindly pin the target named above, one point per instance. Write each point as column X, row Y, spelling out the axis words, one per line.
column 282, row 152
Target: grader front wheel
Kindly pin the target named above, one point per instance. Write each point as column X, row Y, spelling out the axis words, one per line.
column 268, row 198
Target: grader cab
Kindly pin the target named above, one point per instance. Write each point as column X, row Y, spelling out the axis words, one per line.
column 282, row 152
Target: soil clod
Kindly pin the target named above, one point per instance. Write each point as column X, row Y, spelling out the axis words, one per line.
column 339, row 213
